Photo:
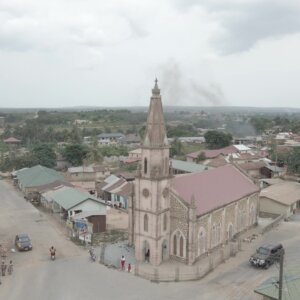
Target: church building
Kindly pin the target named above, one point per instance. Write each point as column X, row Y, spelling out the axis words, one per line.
column 184, row 217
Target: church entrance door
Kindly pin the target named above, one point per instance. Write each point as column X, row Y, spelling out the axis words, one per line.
column 146, row 251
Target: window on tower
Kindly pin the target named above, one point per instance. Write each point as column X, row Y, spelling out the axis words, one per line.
column 145, row 165
column 146, row 223
column 165, row 222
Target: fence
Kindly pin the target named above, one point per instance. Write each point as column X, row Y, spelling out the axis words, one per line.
column 273, row 223
column 181, row 272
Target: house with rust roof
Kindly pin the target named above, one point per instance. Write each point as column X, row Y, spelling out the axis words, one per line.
column 282, row 198
column 188, row 216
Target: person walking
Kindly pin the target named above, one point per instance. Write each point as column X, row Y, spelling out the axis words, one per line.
column 129, row 268
column 122, row 263
column 3, row 268
column 10, row 268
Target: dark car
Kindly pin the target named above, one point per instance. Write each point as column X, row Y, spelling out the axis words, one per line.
column 266, row 255
column 22, row 242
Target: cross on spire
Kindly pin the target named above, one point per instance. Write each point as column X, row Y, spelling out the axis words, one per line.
column 156, row 90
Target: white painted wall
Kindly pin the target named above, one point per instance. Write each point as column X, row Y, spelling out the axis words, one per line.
column 89, row 205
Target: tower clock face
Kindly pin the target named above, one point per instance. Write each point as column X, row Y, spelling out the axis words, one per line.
column 165, row 192
column 146, row 193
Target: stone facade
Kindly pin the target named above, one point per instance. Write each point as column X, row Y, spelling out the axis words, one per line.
column 211, row 230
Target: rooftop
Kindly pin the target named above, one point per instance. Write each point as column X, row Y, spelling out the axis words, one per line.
column 214, row 188
column 188, row 167
column 37, row 176
column 68, row 197
column 286, row 192
column 270, row 288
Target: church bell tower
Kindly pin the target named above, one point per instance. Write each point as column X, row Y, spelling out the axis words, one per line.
column 152, row 204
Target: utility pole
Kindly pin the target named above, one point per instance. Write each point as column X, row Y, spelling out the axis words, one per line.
column 281, row 274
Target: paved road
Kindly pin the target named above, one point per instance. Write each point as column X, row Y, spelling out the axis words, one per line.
column 72, row 276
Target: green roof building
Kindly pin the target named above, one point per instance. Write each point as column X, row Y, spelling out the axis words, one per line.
column 31, row 178
column 181, row 167
column 269, row 290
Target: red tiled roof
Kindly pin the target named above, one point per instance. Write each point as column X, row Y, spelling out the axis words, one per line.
column 249, row 156
column 217, row 162
column 214, row 153
column 214, row 188
column 252, row 165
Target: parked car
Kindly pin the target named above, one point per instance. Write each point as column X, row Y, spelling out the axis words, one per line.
column 266, row 255
column 22, row 242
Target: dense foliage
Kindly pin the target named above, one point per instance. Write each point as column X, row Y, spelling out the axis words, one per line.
column 217, row 139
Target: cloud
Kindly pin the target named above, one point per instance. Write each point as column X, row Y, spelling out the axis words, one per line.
column 244, row 23
column 65, row 26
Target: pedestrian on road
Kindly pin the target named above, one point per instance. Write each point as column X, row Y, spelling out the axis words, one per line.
column 122, row 263
column 10, row 268
column 129, row 268
column 3, row 268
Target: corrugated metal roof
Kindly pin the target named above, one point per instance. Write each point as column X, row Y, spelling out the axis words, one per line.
column 81, row 169
column 290, row 290
column 38, row 175
column 189, row 167
column 252, row 165
column 214, row 153
column 68, row 197
column 214, row 188
column 286, row 192
column 241, row 147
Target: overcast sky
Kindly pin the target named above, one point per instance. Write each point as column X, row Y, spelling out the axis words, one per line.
column 62, row 53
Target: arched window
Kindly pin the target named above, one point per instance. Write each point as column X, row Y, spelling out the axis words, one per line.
column 178, row 241
column 230, row 231
column 213, row 236
column 175, row 245
column 202, row 241
column 181, row 246
column 166, row 166
column 252, row 215
column 165, row 222
column 145, row 165
column 218, row 233
column 146, row 223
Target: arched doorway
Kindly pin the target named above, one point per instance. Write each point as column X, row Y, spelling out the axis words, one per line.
column 146, row 251
column 165, row 251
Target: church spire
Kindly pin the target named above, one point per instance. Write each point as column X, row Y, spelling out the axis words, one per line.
column 155, row 136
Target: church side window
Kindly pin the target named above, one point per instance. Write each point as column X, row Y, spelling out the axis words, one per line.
column 213, row 235
column 146, row 223
column 175, row 244
column 165, row 222
column 145, row 165
column 230, row 231
column 202, row 241
column 218, row 233
column 181, row 246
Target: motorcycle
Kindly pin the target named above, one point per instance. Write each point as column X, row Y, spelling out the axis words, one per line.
column 52, row 253
column 92, row 254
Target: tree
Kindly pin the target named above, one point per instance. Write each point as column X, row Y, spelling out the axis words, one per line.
column 94, row 154
column 217, row 139
column 44, row 155
column 75, row 154
column 176, row 148
column 200, row 157
column 293, row 161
